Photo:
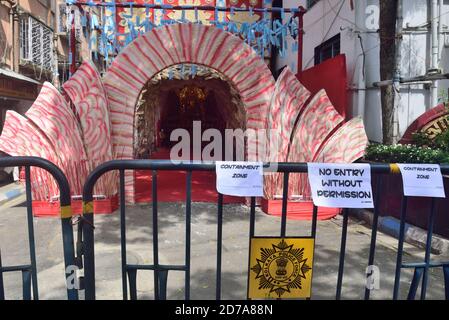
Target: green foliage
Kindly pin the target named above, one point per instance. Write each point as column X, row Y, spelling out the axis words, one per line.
column 422, row 140
column 440, row 142
column 405, row 154
column 423, row 149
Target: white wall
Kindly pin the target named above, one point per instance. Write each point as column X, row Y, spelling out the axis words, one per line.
column 321, row 24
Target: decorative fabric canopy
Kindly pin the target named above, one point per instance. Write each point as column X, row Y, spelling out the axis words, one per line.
column 120, row 22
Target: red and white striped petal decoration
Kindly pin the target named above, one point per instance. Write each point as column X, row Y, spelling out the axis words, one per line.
column 52, row 115
column 317, row 121
column 346, row 145
column 12, row 138
column 176, row 44
column 87, row 93
column 287, row 103
column 21, row 138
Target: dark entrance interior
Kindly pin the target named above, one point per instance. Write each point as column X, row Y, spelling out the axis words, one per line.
column 175, row 99
column 186, row 105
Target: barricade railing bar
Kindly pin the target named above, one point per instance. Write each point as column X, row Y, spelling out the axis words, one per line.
column 129, row 272
column 29, row 271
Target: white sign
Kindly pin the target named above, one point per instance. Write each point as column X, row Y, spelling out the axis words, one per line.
column 341, row 185
column 422, row 180
column 244, row 179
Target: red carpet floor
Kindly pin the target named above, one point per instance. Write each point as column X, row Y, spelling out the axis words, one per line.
column 172, row 185
column 172, row 188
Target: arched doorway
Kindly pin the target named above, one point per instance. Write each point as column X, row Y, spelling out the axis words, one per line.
column 176, row 99
column 178, row 44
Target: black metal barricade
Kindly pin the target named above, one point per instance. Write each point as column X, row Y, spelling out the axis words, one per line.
column 129, row 271
column 29, row 271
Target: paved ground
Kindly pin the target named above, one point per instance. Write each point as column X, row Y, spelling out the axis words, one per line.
column 11, row 191
column 14, row 248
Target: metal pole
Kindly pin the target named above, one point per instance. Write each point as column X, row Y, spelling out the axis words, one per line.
column 372, row 250
column 434, row 50
column 397, row 278
column 72, row 43
column 188, row 233
column 2, row 289
column 219, row 246
column 341, row 265
column 15, row 34
column 252, row 225
column 31, row 239
column 155, row 236
column 284, row 205
column 187, row 8
column 300, row 16
column 440, row 30
column 123, row 234
column 433, row 211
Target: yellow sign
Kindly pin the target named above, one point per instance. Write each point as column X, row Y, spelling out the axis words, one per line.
column 280, row 268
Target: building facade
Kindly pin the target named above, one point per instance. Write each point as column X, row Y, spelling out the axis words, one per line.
column 349, row 27
column 34, row 48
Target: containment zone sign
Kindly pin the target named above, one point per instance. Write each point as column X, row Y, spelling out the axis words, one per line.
column 280, row 268
column 241, row 179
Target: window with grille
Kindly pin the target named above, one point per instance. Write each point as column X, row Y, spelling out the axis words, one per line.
column 327, row 50
column 36, row 43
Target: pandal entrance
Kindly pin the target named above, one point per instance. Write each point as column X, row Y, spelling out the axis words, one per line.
column 179, row 99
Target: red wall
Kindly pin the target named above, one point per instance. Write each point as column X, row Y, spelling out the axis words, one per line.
column 331, row 76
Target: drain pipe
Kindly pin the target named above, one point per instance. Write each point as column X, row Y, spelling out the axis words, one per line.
column 360, row 83
column 434, row 16
column 16, row 37
column 440, row 29
column 12, row 12
column 72, row 46
column 11, row 25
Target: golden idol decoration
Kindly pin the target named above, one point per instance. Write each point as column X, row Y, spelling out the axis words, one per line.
column 436, row 127
column 280, row 268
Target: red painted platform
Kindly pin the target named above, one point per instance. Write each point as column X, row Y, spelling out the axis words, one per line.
column 171, row 187
column 297, row 210
column 52, row 209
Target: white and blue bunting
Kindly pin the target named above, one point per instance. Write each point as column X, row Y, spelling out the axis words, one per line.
column 261, row 35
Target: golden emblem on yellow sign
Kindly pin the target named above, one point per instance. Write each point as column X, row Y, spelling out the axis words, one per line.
column 280, row 268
